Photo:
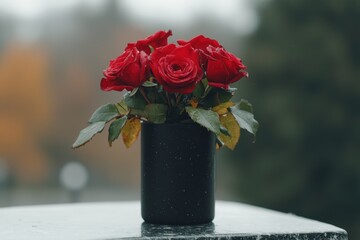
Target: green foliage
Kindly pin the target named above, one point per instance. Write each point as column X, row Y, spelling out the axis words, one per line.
column 87, row 133
column 205, row 105
column 104, row 113
column 115, row 129
column 156, row 113
column 133, row 92
column 244, row 117
column 151, row 103
column 245, row 106
column 122, row 107
column 199, row 90
column 149, row 84
column 216, row 96
column 206, row 118
column 304, row 64
column 135, row 101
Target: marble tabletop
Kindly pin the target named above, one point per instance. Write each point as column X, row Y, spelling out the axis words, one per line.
column 122, row 220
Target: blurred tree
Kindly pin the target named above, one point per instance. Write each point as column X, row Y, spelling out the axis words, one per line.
column 304, row 65
column 25, row 106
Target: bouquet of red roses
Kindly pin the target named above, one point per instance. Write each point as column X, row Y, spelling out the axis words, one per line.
column 169, row 83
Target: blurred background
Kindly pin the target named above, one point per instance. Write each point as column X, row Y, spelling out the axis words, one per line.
column 303, row 57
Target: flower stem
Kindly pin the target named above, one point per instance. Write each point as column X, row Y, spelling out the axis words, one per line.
column 168, row 99
column 164, row 98
column 178, row 98
column 144, row 95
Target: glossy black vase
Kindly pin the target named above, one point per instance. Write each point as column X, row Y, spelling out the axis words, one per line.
column 177, row 174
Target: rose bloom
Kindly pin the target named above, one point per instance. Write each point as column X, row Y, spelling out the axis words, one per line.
column 201, row 43
column 128, row 71
column 223, row 67
column 176, row 68
column 158, row 39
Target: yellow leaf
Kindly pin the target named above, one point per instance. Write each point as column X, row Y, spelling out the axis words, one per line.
column 217, row 147
column 194, row 103
column 122, row 107
column 230, row 123
column 130, row 131
column 223, row 107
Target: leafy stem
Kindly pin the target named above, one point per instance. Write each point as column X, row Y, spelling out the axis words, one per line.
column 168, row 99
column 144, row 95
column 178, row 98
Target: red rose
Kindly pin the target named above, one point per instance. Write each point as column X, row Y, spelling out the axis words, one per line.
column 177, row 68
column 128, row 71
column 223, row 67
column 201, row 43
column 156, row 40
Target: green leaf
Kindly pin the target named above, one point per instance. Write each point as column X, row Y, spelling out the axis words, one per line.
column 205, row 82
column 156, row 113
column 215, row 97
column 133, row 92
column 151, row 48
column 149, row 84
column 136, row 101
column 206, row 118
column 224, row 95
column 87, row 133
column 122, row 107
column 104, row 113
column 206, row 86
column 152, row 95
column 207, row 90
column 138, row 112
column 245, row 118
column 199, row 90
column 115, row 129
column 245, row 105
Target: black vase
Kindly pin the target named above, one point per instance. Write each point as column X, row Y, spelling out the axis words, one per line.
column 177, row 174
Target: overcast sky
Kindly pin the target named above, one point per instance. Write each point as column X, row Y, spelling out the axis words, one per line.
column 239, row 15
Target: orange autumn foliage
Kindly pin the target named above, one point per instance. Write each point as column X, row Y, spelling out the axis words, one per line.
column 24, row 112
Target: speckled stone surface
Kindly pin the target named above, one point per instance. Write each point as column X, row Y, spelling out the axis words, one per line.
column 121, row 220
